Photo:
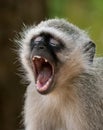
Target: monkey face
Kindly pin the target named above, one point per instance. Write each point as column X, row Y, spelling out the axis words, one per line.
column 44, row 49
column 54, row 52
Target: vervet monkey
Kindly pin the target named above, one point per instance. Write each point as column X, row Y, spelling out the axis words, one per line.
column 65, row 89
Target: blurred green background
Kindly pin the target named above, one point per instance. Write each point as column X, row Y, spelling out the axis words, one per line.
column 87, row 14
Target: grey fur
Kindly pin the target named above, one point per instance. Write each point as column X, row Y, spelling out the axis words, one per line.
column 76, row 103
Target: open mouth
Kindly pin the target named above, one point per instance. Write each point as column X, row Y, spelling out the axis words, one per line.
column 43, row 72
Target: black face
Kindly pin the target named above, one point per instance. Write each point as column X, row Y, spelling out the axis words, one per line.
column 44, row 61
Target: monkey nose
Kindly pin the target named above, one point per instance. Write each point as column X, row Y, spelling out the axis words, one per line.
column 41, row 46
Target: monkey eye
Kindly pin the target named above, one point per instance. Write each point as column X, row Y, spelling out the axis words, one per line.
column 54, row 42
column 38, row 39
column 35, row 41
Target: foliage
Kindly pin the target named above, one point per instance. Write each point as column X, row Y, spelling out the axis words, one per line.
column 87, row 14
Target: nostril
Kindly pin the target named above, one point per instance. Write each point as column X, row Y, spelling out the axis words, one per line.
column 41, row 47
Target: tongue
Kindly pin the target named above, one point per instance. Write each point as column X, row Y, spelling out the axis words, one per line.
column 43, row 76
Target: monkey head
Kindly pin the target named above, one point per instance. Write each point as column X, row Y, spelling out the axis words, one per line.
column 53, row 52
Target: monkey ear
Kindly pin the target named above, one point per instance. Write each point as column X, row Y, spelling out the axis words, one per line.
column 89, row 50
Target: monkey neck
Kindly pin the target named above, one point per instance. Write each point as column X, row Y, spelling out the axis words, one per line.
column 53, row 109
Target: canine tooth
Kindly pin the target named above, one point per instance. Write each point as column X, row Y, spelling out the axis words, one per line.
column 46, row 60
column 33, row 58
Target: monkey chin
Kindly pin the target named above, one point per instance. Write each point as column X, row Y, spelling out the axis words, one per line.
column 43, row 71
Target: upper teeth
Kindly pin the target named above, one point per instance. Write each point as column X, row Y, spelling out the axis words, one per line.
column 39, row 58
column 36, row 57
